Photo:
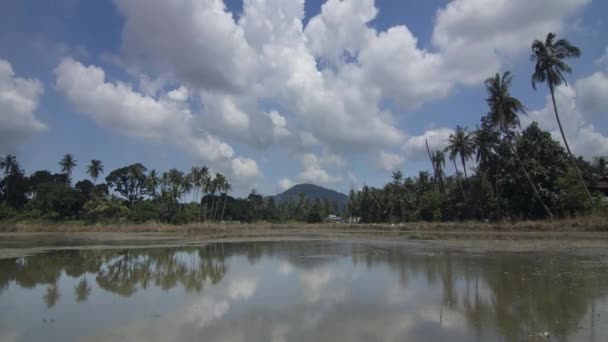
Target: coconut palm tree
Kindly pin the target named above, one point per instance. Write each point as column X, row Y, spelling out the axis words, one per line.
column 152, row 182
column 67, row 163
column 10, row 166
column 550, row 68
column 227, row 187
column 504, row 115
column 220, row 182
column 460, row 143
column 438, row 160
column 600, row 164
column 94, row 169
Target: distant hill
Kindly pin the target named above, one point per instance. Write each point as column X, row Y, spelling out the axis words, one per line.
column 312, row 192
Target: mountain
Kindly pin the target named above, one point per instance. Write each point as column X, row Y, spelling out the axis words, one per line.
column 312, row 192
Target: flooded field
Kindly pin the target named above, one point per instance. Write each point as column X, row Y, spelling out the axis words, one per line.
column 320, row 290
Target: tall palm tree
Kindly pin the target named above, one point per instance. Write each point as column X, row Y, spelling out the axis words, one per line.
column 600, row 164
column 397, row 186
column 227, row 187
column 504, row 115
column 220, row 182
column 94, row 169
column 438, row 160
column 10, row 166
column 460, row 143
column 550, row 68
column 152, row 182
column 67, row 163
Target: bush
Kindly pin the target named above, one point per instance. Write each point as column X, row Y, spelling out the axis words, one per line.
column 104, row 210
column 6, row 212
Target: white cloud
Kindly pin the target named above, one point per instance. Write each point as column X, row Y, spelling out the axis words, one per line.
column 592, row 95
column 118, row 107
column 242, row 288
column 474, row 35
column 603, row 60
column 197, row 40
column 245, row 168
column 583, row 138
column 285, row 184
column 313, row 172
column 180, row 94
column 389, row 161
column 415, row 146
column 18, row 101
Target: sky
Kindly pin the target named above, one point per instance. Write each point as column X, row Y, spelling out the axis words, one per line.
column 272, row 93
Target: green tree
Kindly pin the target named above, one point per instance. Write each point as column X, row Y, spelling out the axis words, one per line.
column 460, row 143
column 504, row 115
column 550, row 68
column 129, row 182
column 600, row 166
column 94, row 169
column 10, row 166
column 67, row 164
column 438, row 161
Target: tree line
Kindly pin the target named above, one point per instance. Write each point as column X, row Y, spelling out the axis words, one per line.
column 135, row 194
column 519, row 175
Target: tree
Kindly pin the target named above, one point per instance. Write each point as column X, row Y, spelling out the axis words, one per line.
column 130, row 182
column 152, row 182
column 94, row 169
column 460, row 143
column 438, row 160
column 67, row 163
column 550, row 68
column 10, row 166
column 227, row 187
column 504, row 115
column 600, row 165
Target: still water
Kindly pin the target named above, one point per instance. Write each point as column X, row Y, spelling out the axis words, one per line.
column 302, row 291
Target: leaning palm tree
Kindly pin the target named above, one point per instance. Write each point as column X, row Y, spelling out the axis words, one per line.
column 67, row 163
column 550, row 68
column 504, row 115
column 94, row 169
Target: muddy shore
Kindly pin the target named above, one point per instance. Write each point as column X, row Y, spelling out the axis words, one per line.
column 18, row 244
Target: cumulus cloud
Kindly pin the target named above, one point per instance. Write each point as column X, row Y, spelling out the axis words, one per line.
column 415, row 146
column 18, row 101
column 119, row 107
column 474, row 35
column 603, row 60
column 285, row 184
column 314, row 172
column 389, row 161
column 584, row 139
column 592, row 95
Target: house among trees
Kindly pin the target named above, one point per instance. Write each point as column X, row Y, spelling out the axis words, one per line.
column 601, row 185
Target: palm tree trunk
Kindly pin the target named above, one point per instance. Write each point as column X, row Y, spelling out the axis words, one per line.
column 432, row 164
column 459, row 183
column 212, row 202
column 224, row 207
column 464, row 167
column 559, row 123
column 523, row 167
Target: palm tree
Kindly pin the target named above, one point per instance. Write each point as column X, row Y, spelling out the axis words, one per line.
column 438, row 160
column 460, row 143
column 220, row 182
column 600, row 164
column 67, row 163
column 10, row 166
column 504, row 115
column 550, row 68
column 227, row 187
column 94, row 169
column 152, row 182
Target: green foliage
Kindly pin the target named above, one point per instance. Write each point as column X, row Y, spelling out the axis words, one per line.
column 104, row 210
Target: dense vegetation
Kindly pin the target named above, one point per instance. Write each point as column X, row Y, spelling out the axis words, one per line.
column 519, row 175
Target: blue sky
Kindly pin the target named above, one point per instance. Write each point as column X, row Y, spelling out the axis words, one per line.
column 273, row 93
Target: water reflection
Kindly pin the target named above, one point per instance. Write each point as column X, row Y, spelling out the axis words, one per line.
column 302, row 291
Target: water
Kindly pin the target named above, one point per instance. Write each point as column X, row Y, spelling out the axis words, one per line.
column 302, row 291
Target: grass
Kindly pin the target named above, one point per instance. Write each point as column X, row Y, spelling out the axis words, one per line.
column 591, row 223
